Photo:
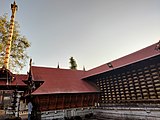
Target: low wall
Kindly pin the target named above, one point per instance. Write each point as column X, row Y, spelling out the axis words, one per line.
column 124, row 112
column 68, row 113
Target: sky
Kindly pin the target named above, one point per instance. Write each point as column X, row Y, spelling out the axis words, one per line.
column 93, row 32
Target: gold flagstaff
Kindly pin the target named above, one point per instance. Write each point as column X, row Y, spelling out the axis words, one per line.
column 14, row 8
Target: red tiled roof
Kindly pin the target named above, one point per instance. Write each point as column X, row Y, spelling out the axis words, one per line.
column 60, row 81
column 19, row 78
column 3, row 82
column 18, row 81
column 128, row 59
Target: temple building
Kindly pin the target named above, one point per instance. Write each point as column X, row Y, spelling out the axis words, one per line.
column 58, row 93
column 132, row 79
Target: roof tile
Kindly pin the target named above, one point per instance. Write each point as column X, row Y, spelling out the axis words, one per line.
column 61, row 81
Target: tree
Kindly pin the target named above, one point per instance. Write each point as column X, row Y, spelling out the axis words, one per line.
column 73, row 64
column 18, row 55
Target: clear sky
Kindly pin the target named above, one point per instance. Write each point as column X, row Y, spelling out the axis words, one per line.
column 94, row 32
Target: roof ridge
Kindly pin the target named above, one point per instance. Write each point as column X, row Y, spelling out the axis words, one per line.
column 56, row 68
column 136, row 56
column 126, row 56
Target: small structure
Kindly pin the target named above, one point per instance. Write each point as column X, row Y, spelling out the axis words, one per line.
column 12, row 92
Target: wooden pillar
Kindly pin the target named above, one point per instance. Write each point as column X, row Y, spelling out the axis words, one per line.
column 82, row 102
column 70, row 100
column 48, row 105
column 56, row 101
column 63, row 102
column 93, row 99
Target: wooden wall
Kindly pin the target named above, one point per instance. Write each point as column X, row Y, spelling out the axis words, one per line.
column 65, row 101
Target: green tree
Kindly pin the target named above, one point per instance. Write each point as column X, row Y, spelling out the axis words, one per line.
column 73, row 64
column 18, row 55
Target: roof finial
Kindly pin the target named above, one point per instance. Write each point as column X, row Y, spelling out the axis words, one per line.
column 157, row 46
column 84, row 69
column 58, row 65
column 30, row 63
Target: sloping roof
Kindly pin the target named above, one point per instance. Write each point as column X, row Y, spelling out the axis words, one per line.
column 19, row 79
column 16, row 81
column 60, row 81
column 142, row 54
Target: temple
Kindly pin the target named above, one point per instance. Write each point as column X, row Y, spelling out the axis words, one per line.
column 59, row 93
